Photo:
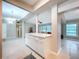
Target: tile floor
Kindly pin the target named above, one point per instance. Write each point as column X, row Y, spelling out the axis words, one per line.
column 72, row 47
column 16, row 49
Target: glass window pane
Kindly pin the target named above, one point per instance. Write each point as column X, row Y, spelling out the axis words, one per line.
column 45, row 28
column 48, row 28
column 71, row 29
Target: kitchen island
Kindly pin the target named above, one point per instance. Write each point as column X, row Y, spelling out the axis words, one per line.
column 36, row 41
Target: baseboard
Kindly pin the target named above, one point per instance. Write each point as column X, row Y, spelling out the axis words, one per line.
column 56, row 53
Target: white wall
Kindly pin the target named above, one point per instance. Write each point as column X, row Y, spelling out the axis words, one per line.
column 71, row 4
column 44, row 17
column 4, row 30
column 27, row 27
column 11, row 30
column 71, row 15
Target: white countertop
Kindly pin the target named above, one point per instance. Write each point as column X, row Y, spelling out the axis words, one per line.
column 42, row 35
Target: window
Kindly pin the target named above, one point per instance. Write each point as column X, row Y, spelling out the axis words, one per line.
column 48, row 28
column 71, row 29
column 45, row 28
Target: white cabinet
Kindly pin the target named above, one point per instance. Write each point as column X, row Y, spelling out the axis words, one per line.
column 36, row 43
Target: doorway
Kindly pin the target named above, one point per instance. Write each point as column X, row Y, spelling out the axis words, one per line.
column 70, row 24
column 19, row 29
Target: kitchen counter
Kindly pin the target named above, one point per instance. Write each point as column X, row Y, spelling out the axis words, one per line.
column 36, row 41
column 41, row 35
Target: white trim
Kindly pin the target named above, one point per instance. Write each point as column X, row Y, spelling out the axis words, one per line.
column 55, row 53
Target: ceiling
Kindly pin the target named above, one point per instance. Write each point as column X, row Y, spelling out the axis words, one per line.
column 33, row 5
column 30, row 5
column 44, row 8
column 44, row 17
column 11, row 11
column 31, row 2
